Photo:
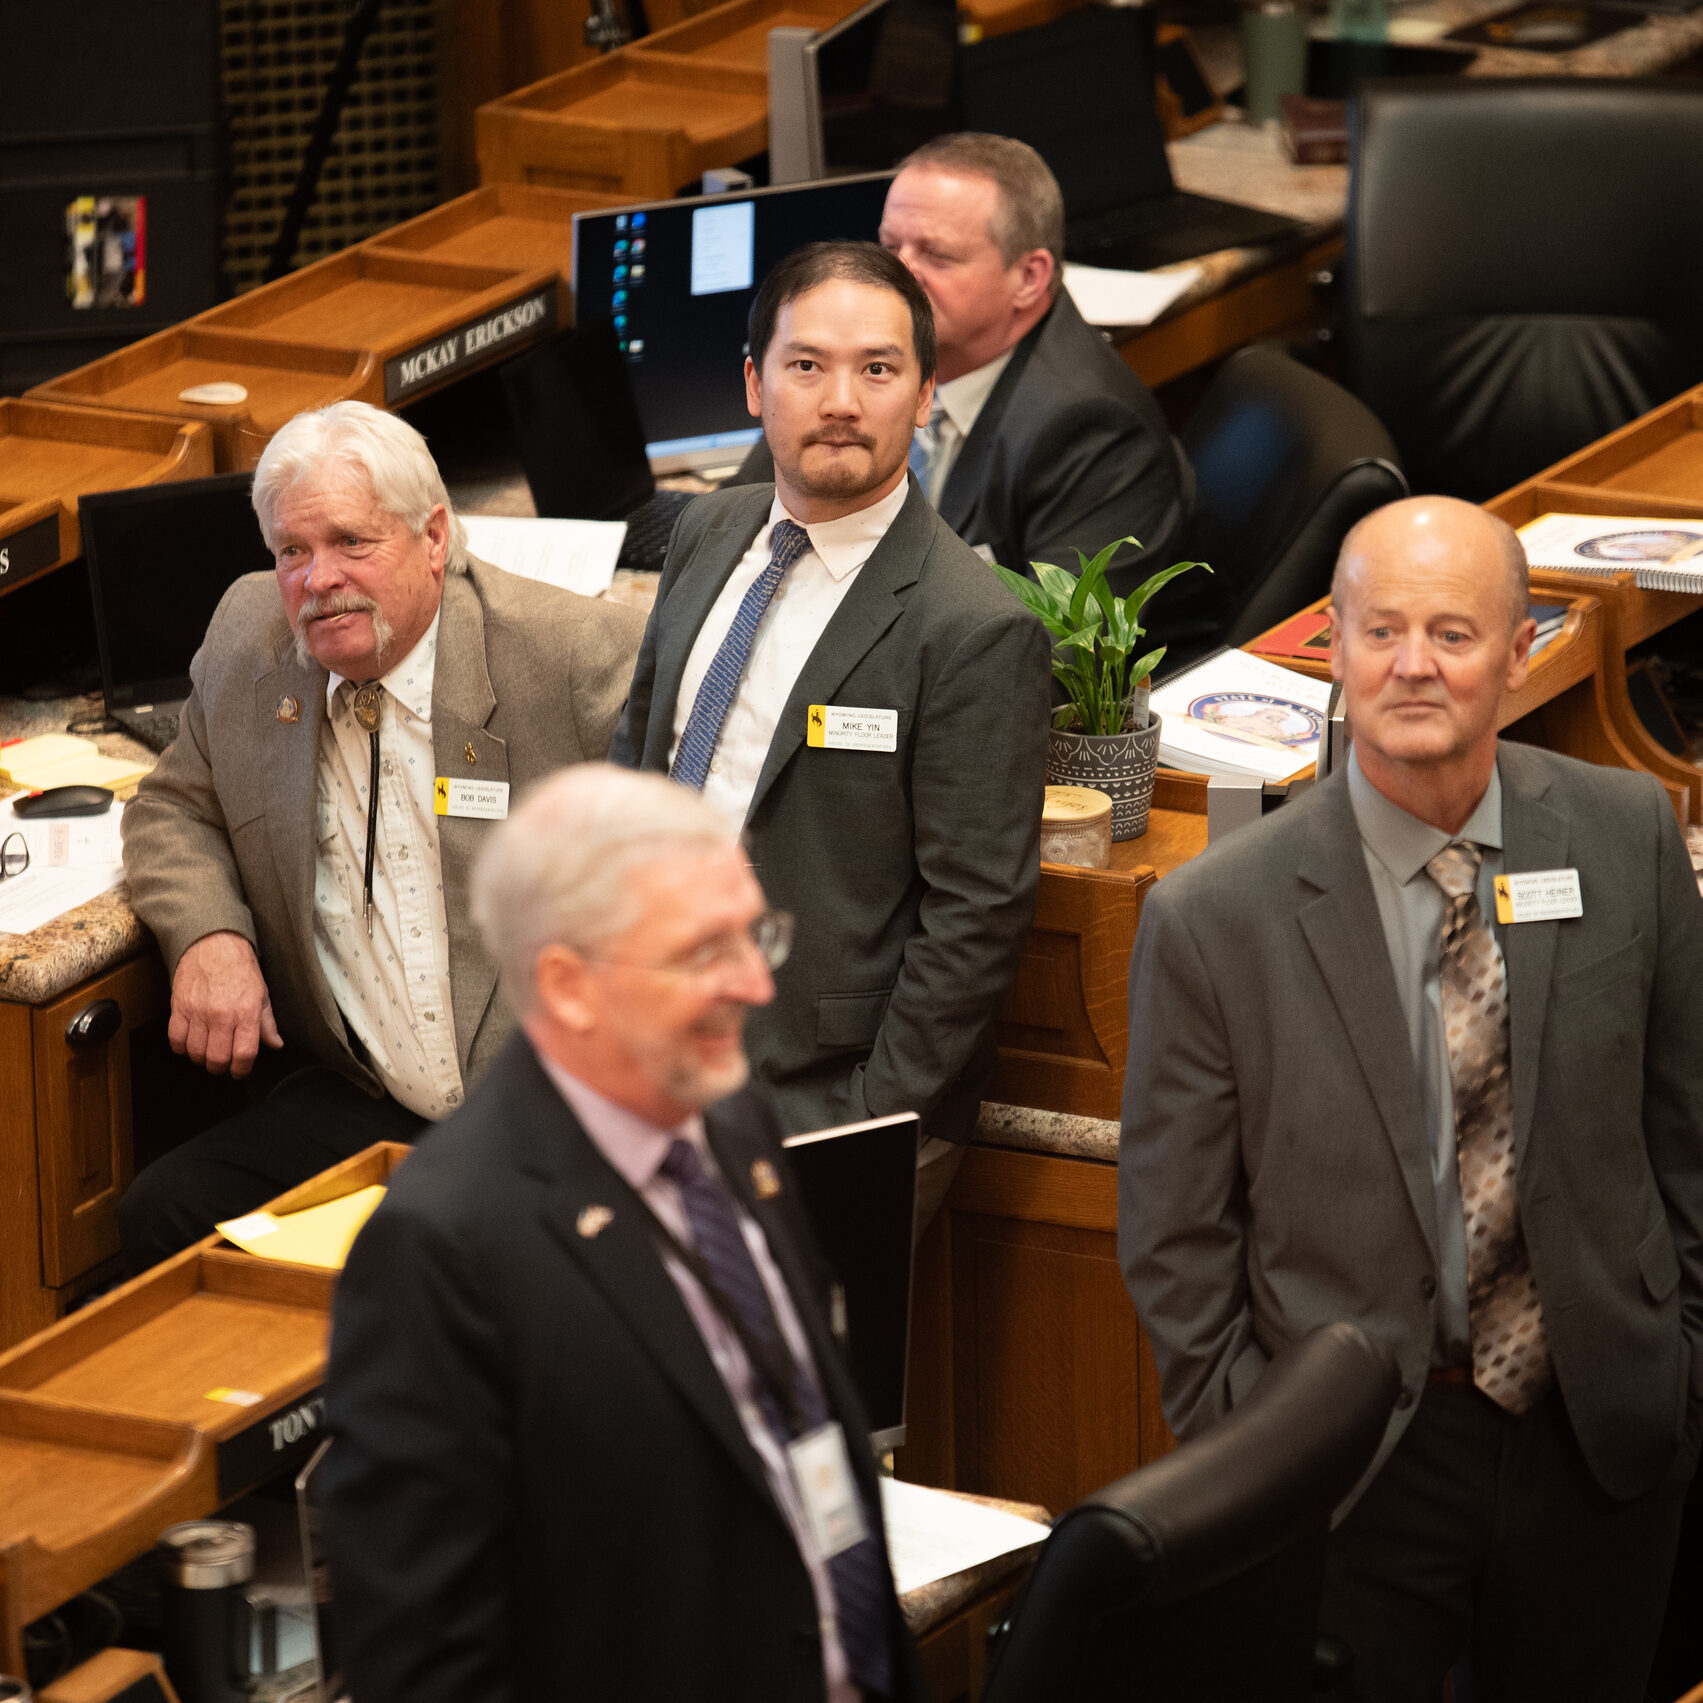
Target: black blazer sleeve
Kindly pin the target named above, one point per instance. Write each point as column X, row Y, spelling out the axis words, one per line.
column 415, row 1487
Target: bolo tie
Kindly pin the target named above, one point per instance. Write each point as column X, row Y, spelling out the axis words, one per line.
column 368, row 699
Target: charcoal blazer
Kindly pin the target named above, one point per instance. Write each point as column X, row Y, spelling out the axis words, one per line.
column 1275, row 1171
column 540, row 1487
column 221, row 834
column 911, row 874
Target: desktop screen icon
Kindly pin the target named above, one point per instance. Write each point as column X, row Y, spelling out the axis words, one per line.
column 620, row 274
column 638, row 221
column 638, row 273
column 620, row 221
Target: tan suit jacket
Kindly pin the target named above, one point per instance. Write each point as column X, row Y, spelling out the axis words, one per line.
column 221, row 834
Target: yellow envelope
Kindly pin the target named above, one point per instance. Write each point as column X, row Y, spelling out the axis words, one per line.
column 317, row 1235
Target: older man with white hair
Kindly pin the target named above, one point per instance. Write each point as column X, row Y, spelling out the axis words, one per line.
column 593, row 1435
column 302, row 852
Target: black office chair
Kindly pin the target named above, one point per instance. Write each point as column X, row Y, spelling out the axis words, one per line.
column 1196, row 1579
column 1522, row 266
column 1285, row 463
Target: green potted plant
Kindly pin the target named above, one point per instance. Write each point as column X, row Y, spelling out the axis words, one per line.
column 1104, row 735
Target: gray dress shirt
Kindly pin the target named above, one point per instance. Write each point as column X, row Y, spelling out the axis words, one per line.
column 1410, row 905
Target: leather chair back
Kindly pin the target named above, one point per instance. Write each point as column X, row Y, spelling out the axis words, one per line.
column 1522, row 266
column 1196, row 1579
column 1285, row 463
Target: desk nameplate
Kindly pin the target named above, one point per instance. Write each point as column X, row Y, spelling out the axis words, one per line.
column 31, row 550
column 471, row 345
column 278, row 1442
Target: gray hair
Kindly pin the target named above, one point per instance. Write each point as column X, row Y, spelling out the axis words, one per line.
column 556, row 871
column 1030, row 211
column 385, row 450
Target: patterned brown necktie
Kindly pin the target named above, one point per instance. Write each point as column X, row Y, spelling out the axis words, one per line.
column 1510, row 1356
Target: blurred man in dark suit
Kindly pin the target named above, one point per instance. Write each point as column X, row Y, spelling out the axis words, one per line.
column 593, row 1438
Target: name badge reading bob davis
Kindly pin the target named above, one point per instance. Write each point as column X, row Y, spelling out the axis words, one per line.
column 1538, row 895
column 832, row 727
column 487, row 800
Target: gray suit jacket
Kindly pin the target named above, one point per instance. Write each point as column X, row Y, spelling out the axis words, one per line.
column 221, row 834
column 1275, row 1169
column 912, row 876
column 1069, row 451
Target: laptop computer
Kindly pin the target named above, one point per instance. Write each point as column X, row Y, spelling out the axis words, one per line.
column 859, row 1188
column 160, row 557
column 1080, row 92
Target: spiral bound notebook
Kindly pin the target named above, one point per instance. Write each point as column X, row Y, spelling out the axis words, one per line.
column 1662, row 555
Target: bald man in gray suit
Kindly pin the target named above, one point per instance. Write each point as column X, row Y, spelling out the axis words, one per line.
column 1362, row 1087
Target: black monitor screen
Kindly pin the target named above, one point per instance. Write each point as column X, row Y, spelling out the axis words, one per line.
column 160, row 558
column 886, row 80
column 859, row 1187
column 1079, row 91
column 677, row 278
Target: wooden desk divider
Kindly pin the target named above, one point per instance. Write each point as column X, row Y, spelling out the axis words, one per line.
column 81, row 1493
column 503, row 224
column 1654, row 466
column 1064, row 1027
column 162, row 1401
column 281, row 378
column 425, row 322
column 644, row 123
column 50, row 454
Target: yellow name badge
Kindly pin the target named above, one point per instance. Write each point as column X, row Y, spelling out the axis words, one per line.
column 1538, row 895
column 833, row 727
column 486, row 800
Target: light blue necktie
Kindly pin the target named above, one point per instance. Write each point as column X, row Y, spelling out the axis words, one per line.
column 925, row 448
column 720, row 686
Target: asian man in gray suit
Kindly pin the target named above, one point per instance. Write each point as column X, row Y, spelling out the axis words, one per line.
column 833, row 668
column 1368, row 1081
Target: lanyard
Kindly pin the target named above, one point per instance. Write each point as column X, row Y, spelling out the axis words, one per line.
column 770, row 1357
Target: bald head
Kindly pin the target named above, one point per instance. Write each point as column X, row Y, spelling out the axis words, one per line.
column 1434, row 532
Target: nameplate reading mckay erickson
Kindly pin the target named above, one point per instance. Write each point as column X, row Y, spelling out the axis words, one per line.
column 471, row 345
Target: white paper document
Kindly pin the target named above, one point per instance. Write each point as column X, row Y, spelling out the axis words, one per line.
column 42, row 893
column 931, row 1535
column 1661, row 555
column 1236, row 714
column 577, row 555
column 68, row 842
column 1105, row 297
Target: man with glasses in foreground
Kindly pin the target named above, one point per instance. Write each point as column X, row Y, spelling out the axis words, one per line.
column 592, row 1433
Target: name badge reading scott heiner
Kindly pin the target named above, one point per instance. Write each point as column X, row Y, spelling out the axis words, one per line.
column 487, row 800
column 832, row 727
column 1538, row 895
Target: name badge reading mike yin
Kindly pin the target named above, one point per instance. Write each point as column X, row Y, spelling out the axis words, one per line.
column 833, row 727
column 486, row 800
column 1538, row 895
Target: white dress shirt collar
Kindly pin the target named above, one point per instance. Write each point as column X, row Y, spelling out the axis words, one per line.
column 964, row 397
column 844, row 545
column 410, row 681
column 634, row 1146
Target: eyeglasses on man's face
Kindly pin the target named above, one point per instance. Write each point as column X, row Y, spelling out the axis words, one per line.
column 769, row 936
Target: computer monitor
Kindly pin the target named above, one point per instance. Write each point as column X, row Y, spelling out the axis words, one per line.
column 862, row 93
column 859, row 1188
column 677, row 279
column 160, row 557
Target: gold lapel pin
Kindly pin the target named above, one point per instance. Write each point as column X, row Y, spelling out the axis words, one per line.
column 469, row 753
column 593, row 1221
column 764, row 1180
column 289, row 709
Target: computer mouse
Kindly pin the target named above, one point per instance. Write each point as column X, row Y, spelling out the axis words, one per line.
column 65, row 801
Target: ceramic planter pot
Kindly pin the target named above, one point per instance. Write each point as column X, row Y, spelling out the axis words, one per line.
column 1122, row 765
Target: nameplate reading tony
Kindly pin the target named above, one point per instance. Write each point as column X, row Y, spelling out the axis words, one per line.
column 486, row 800
column 833, row 727
column 470, row 345
column 1538, row 895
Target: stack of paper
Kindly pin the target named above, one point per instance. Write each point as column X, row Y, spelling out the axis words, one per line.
column 62, row 759
column 72, row 860
column 577, row 555
column 1236, row 714
column 1663, row 555
column 1105, row 297
column 932, row 1534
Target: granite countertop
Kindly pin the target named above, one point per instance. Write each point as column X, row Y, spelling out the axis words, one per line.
column 1034, row 1131
column 38, row 967
column 929, row 1605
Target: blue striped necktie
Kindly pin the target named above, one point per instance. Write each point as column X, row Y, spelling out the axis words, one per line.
column 691, row 765
column 859, row 1574
column 926, row 447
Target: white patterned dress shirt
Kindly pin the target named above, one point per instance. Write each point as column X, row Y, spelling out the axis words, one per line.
column 392, row 986
column 813, row 589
